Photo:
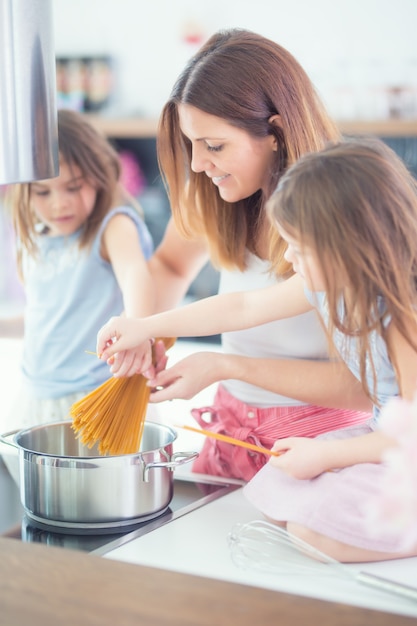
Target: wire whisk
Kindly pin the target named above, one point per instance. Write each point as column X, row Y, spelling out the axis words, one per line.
column 265, row 547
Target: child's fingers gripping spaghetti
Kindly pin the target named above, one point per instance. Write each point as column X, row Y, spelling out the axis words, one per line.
column 120, row 333
column 113, row 415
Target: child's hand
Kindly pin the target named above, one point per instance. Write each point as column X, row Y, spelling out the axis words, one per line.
column 301, row 457
column 118, row 335
column 130, row 362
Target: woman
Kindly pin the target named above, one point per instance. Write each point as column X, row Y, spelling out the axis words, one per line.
column 241, row 112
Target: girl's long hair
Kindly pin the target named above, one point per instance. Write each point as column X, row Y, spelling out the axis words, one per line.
column 244, row 79
column 355, row 205
column 81, row 145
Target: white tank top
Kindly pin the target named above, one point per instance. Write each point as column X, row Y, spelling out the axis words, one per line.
column 300, row 337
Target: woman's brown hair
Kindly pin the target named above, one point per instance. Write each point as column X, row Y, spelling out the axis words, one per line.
column 355, row 205
column 81, row 145
column 244, row 79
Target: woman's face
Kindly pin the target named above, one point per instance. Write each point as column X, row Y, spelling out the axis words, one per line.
column 237, row 163
column 64, row 203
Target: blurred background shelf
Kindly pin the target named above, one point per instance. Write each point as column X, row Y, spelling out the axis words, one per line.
column 136, row 127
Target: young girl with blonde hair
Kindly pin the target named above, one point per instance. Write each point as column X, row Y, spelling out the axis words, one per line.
column 82, row 250
column 349, row 217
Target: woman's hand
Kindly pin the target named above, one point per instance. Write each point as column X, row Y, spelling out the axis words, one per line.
column 186, row 378
column 120, row 334
column 301, row 457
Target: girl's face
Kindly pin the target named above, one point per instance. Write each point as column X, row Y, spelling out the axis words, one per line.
column 305, row 262
column 64, row 203
column 237, row 163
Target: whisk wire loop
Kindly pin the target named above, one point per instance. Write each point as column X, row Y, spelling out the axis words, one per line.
column 269, row 548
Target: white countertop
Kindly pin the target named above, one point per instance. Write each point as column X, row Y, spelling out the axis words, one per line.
column 197, row 542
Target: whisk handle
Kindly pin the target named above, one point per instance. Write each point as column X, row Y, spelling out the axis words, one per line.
column 377, row 582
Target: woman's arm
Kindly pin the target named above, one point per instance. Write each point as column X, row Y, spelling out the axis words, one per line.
column 210, row 316
column 174, row 265
column 323, row 383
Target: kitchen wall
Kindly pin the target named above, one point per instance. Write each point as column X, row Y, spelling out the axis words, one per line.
column 353, row 49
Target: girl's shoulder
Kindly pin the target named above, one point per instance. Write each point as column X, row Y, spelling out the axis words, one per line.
column 124, row 209
column 136, row 217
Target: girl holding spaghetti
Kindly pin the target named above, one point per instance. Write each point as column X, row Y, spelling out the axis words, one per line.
column 349, row 217
column 82, row 254
column 241, row 112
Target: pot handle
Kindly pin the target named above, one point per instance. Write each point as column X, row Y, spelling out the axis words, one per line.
column 4, row 438
column 177, row 459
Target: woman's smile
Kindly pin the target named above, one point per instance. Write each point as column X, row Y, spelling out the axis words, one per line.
column 217, row 180
column 218, row 146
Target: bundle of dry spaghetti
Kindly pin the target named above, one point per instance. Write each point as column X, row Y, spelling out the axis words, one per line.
column 113, row 415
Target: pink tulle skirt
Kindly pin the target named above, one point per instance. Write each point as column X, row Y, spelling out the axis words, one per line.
column 336, row 504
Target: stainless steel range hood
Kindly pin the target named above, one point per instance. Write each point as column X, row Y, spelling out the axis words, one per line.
column 28, row 117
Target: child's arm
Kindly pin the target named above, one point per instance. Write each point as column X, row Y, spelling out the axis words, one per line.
column 122, row 247
column 209, row 316
column 305, row 458
column 405, row 358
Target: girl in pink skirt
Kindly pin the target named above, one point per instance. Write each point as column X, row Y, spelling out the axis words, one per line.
column 349, row 216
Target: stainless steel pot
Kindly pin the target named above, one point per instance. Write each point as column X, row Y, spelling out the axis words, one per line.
column 65, row 484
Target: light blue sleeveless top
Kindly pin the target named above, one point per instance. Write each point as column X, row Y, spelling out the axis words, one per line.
column 70, row 294
column 386, row 383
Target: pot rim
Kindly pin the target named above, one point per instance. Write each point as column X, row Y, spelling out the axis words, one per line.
column 24, row 431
